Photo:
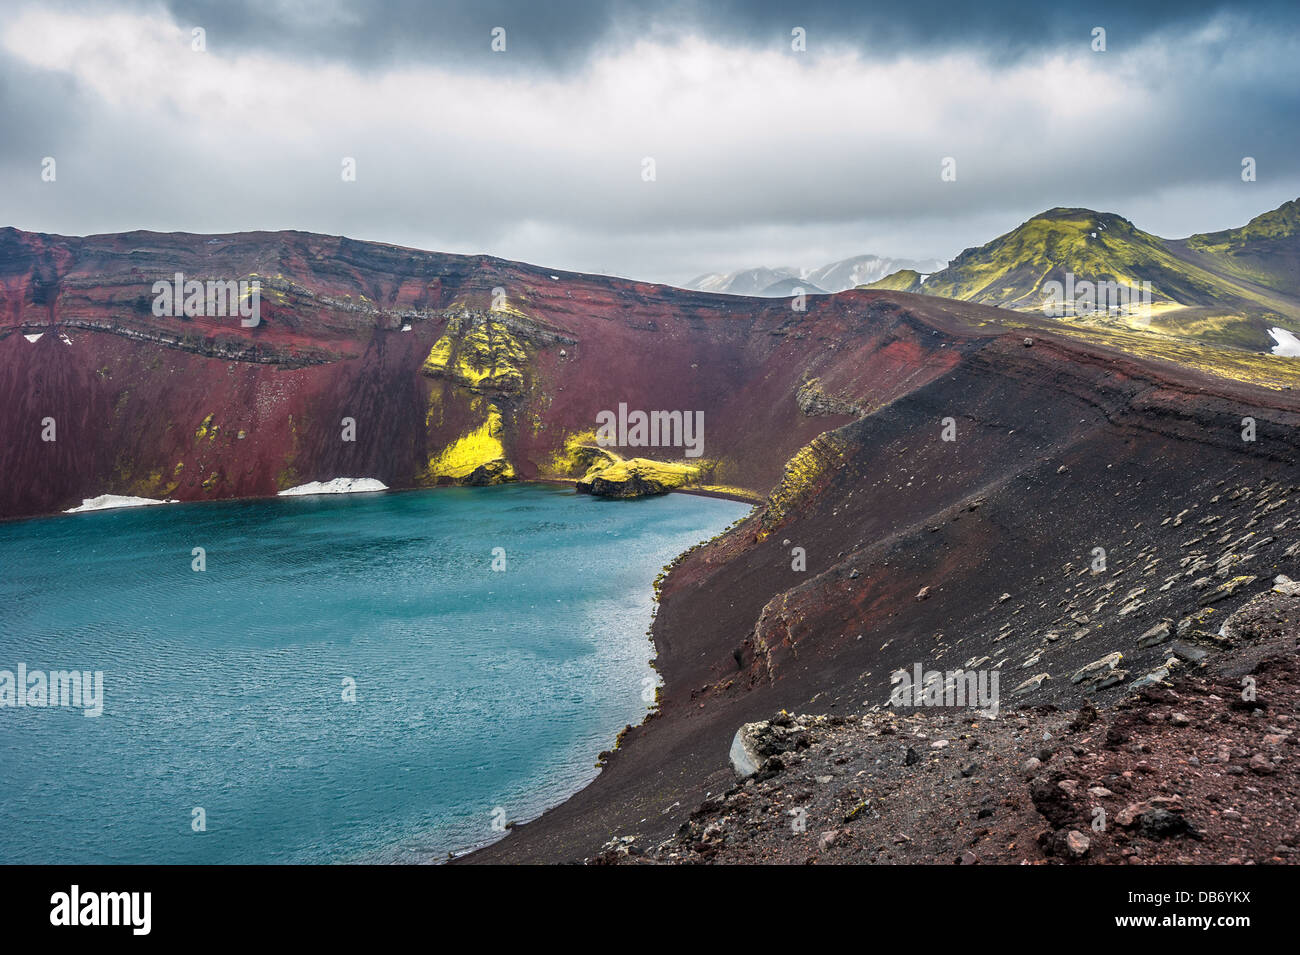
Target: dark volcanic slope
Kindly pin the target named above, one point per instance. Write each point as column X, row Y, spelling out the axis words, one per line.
column 1190, row 773
column 1058, row 452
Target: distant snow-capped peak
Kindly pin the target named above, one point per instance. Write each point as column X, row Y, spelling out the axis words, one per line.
column 835, row 277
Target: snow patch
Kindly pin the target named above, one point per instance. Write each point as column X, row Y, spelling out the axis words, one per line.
column 336, row 486
column 107, row 502
column 34, row 338
column 1287, row 344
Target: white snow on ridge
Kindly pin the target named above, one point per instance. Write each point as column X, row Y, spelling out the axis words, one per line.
column 34, row 337
column 108, row 502
column 835, row 277
column 1287, row 344
column 336, row 486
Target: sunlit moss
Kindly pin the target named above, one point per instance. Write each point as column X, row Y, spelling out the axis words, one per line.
column 483, row 357
column 904, row 280
column 578, row 455
column 802, row 472
column 478, row 456
column 731, row 490
column 634, row 477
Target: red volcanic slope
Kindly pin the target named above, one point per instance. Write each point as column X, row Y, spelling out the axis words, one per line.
column 131, row 392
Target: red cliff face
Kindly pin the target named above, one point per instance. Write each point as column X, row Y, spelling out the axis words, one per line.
column 204, row 408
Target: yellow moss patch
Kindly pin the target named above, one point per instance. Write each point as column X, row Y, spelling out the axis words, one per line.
column 743, row 493
column 478, row 455
column 666, row 472
column 154, row 486
column 635, row 477
column 579, row 454
column 801, row 472
column 287, row 478
column 433, row 413
column 485, row 357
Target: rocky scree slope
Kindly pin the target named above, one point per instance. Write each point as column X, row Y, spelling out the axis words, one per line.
column 976, row 553
column 1202, row 768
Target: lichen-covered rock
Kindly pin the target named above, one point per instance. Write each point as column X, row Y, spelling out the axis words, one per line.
column 479, row 352
column 476, row 458
column 1226, row 590
column 814, row 402
column 1033, row 683
column 638, row 477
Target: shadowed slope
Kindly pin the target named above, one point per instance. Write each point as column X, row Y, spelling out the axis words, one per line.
column 1059, row 450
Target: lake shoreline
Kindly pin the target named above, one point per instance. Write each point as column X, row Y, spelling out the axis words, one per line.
column 718, row 494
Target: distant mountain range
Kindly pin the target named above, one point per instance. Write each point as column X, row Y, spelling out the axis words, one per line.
column 1231, row 287
column 835, row 277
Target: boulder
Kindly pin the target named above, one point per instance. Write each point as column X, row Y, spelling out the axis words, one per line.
column 746, row 760
column 1226, row 590
column 1097, row 669
column 756, row 746
column 1033, row 683
column 1156, row 635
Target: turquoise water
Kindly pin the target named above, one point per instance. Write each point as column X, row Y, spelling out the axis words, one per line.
column 480, row 695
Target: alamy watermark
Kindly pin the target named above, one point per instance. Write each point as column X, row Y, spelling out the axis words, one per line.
column 1088, row 298
column 960, row 688
column 215, row 298
column 654, row 429
column 78, row 689
column 128, row 909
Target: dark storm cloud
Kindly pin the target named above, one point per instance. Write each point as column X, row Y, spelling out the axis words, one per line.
column 563, row 34
column 763, row 157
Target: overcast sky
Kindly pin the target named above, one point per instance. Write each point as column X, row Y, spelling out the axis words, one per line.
column 763, row 155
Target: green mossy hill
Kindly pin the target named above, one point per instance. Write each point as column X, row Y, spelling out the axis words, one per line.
column 1092, row 246
column 1265, row 251
column 1219, row 289
column 639, row 477
column 1280, row 223
column 904, row 280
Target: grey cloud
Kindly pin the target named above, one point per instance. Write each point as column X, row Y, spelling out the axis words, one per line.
column 562, row 34
column 781, row 189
